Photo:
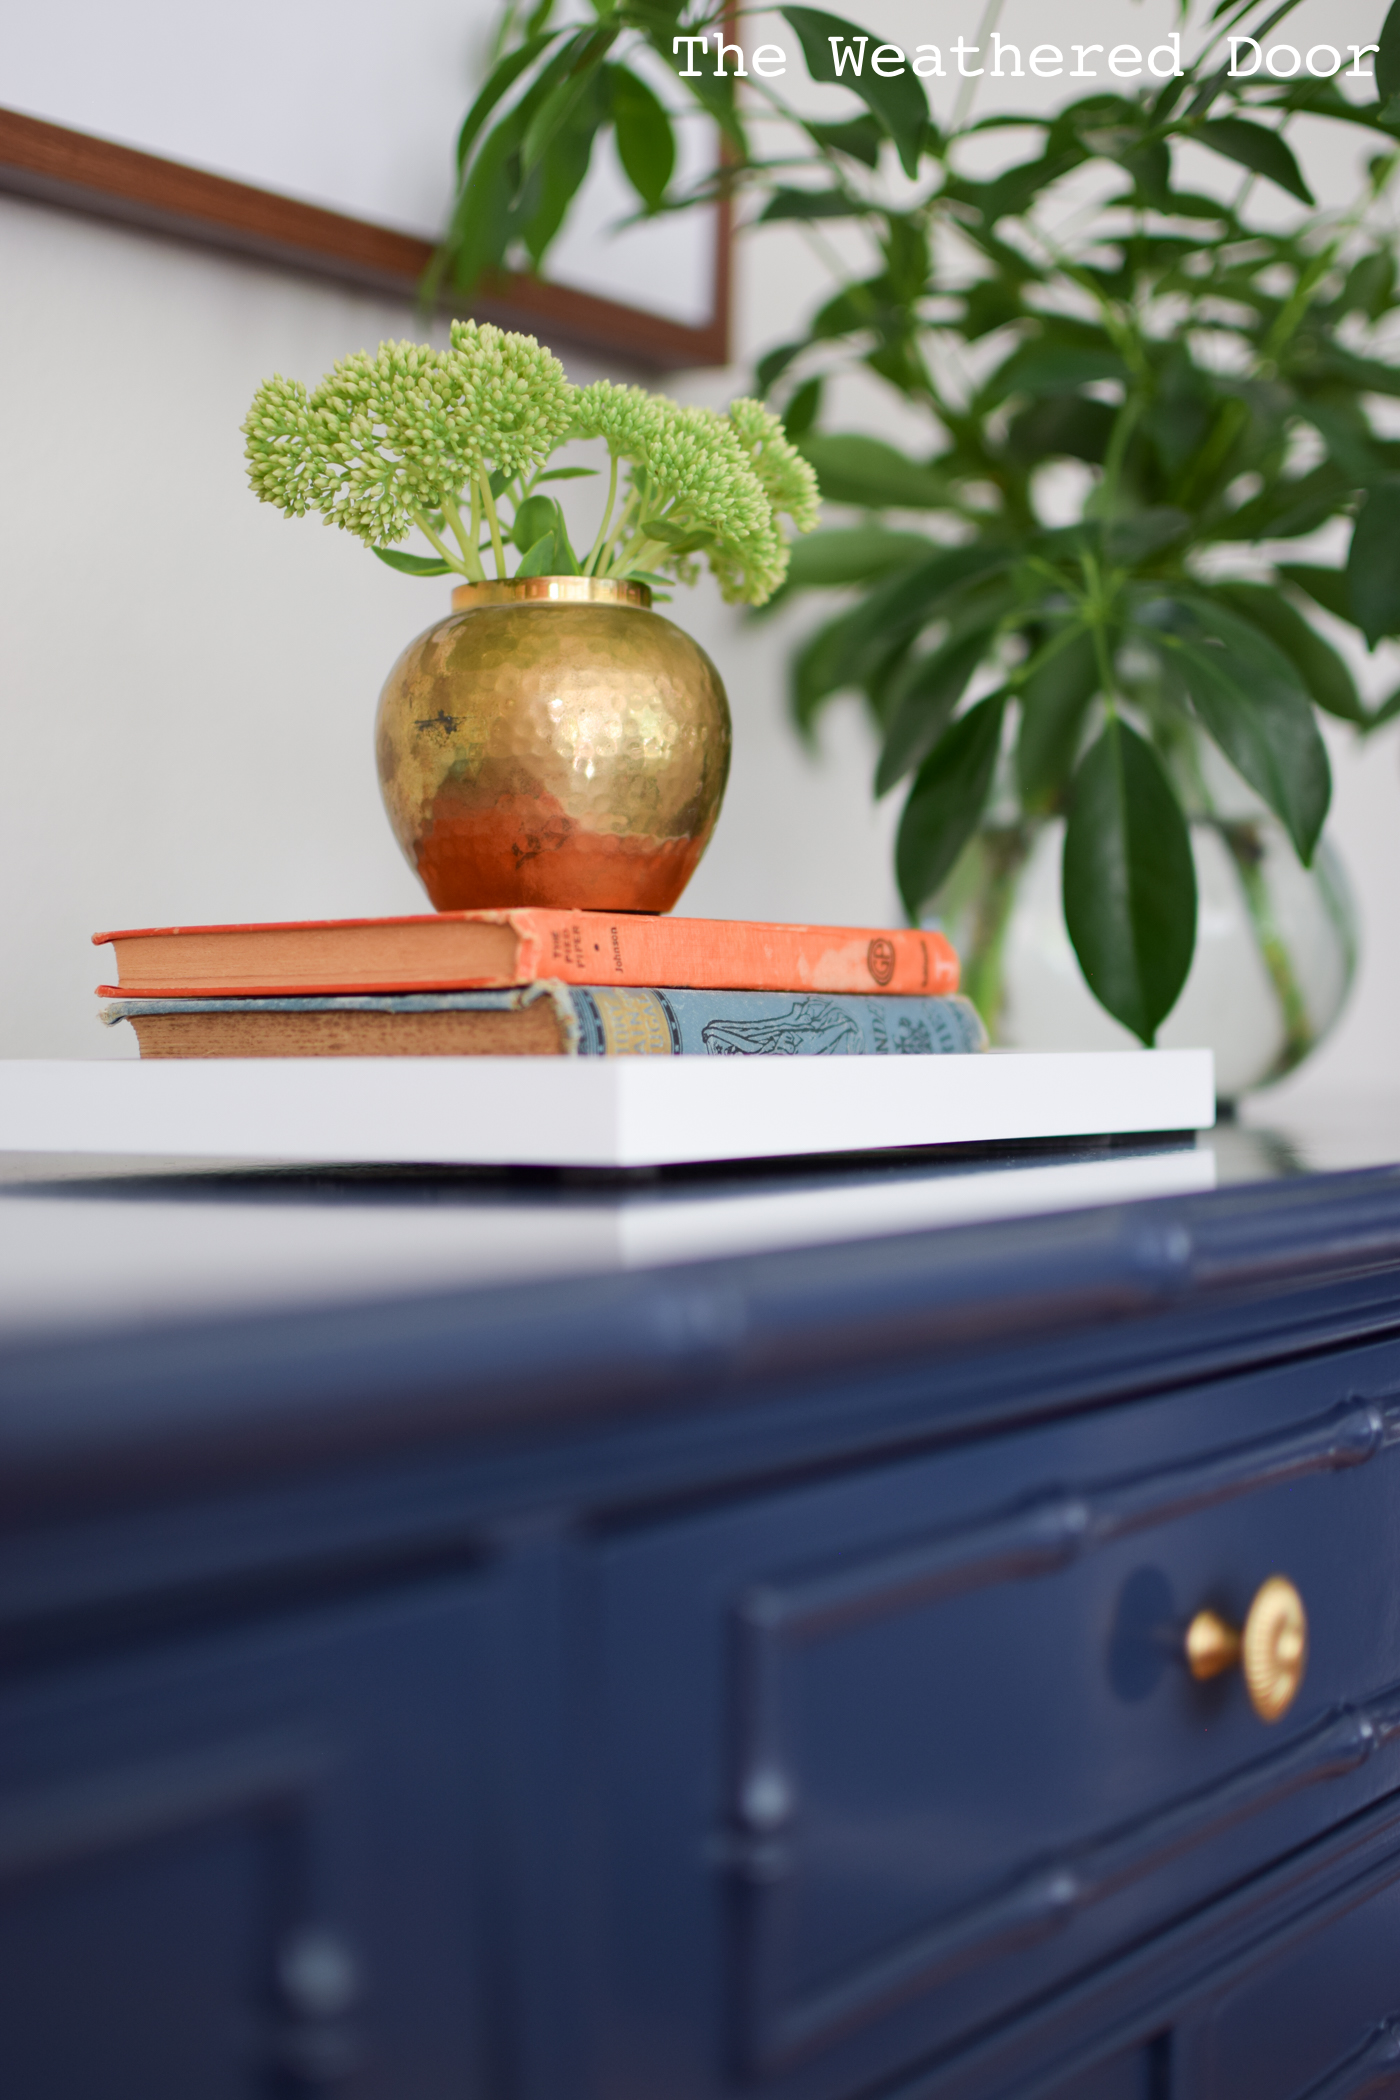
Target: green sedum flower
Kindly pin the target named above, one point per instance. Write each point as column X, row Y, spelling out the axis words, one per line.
column 521, row 404
column 390, row 440
column 789, row 481
column 281, row 460
column 413, row 436
column 701, row 482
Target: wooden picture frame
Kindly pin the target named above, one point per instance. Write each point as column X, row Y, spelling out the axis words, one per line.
column 82, row 173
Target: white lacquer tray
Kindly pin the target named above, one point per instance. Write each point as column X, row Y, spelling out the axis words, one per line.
column 604, row 1112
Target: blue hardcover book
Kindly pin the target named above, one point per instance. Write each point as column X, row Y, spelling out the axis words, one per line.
column 556, row 1020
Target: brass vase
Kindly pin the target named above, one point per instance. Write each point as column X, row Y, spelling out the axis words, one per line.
column 553, row 741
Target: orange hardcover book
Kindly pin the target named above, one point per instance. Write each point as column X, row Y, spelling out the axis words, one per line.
column 490, row 950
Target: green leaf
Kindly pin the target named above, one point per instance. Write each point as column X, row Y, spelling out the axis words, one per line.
column 1329, row 588
column 681, row 539
column 1388, row 57
column 482, row 221
column 1290, row 508
column 772, row 366
column 1143, row 533
column 1370, row 285
column 1053, row 368
column 581, row 79
column 498, row 82
column 928, row 693
column 566, row 561
column 1070, row 426
column 1368, row 375
column 562, row 170
column 849, row 649
column 811, row 204
column 946, row 801
column 867, row 471
column 1254, row 147
column 1010, row 194
column 1345, row 432
column 1054, row 700
column 1150, row 166
column 802, row 410
column 534, row 518
column 831, row 659
column 1248, row 696
column 566, row 474
column 850, row 554
column 413, row 564
column 899, row 103
column 646, row 143
column 715, row 93
column 860, row 139
column 990, row 303
column 1129, row 881
column 1324, row 676
column 846, row 652
column 1386, row 712
column 1373, row 565
column 853, row 310
column 540, row 559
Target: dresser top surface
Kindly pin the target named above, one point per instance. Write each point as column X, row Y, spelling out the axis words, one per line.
column 160, row 1323
column 113, row 1245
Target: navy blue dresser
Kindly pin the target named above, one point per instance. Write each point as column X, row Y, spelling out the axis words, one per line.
column 756, row 1679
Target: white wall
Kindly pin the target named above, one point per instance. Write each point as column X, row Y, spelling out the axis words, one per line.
column 187, row 680
column 313, row 99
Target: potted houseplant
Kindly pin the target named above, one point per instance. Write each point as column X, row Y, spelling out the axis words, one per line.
column 1115, row 701
column 552, row 740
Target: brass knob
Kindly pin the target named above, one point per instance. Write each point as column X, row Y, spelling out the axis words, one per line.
column 1273, row 1647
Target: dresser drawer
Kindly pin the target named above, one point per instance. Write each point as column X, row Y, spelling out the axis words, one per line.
column 1315, row 2015
column 241, row 1860
column 909, row 1749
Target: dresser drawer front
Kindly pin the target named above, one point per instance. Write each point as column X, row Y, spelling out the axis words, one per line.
column 961, row 1763
column 240, row 1862
column 949, row 1752
column 1315, row 2016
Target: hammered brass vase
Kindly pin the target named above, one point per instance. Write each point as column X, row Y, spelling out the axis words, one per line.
column 553, row 741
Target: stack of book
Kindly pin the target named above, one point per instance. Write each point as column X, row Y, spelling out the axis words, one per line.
column 536, row 983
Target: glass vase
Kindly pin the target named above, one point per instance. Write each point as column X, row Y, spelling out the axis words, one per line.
column 1275, row 948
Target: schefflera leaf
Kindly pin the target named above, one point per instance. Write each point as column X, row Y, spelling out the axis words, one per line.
column 1129, row 881
column 946, row 801
column 928, row 692
column 1251, row 701
column 1373, row 565
column 646, row 143
column 1054, row 700
column 896, row 101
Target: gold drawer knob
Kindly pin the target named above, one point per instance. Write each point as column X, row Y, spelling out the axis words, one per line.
column 1273, row 1647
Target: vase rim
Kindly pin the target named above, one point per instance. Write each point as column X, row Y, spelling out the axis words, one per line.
column 551, row 590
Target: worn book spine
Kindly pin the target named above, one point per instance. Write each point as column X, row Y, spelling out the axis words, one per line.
column 583, row 1021
column 497, row 949
column 644, row 952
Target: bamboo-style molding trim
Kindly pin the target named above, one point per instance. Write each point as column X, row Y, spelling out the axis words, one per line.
column 54, row 165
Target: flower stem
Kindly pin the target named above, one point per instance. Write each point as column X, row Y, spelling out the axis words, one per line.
column 468, row 546
column 590, row 567
column 441, row 546
column 623, row 530
column 489, row 507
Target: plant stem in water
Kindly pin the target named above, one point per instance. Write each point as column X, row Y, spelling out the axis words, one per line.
column 1299, row 1035
column 1003, row 853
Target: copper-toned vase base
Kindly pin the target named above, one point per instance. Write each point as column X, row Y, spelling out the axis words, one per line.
column 553, row 742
